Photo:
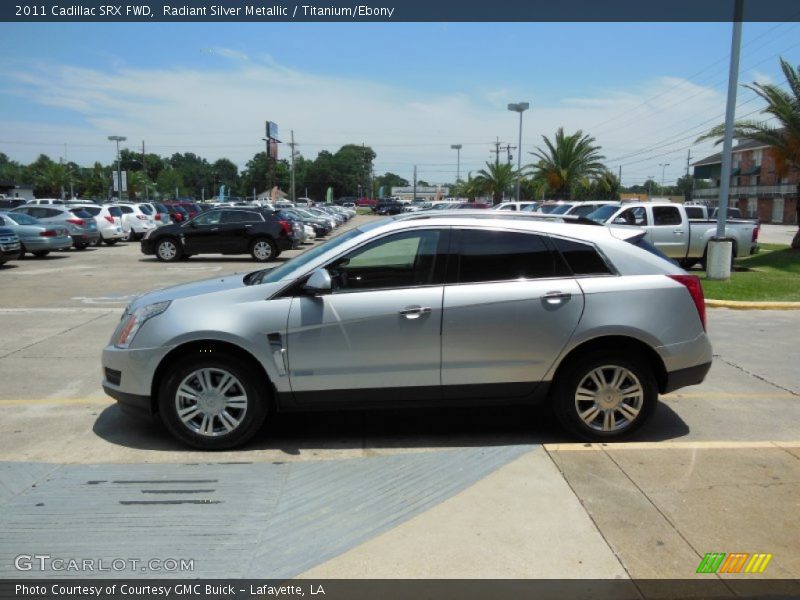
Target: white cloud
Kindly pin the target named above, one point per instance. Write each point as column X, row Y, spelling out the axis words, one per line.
column 221, row 113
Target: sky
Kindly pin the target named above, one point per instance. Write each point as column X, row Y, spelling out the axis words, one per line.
column 644, row 91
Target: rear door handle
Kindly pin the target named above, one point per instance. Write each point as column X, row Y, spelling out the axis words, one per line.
column 415, row 312
column 556, row 297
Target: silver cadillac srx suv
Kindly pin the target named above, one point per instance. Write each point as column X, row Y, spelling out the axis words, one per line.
column 428, row 309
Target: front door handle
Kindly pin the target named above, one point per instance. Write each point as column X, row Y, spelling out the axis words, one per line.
column 415, row 312
column 556, row 297
column 678, row 231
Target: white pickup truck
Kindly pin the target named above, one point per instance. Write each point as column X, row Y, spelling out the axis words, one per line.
column 671, row 231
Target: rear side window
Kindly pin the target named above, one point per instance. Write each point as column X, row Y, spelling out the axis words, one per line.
column 666, row 215
column 54, row 212
column 80, row 213
column 582, row 259
column 502, row 256
column 146, row 209
column 694, row 212
column 92, row 210
column 126, row 209
column 114, row 211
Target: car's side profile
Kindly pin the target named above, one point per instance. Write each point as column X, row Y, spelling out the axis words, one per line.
column 426, row 309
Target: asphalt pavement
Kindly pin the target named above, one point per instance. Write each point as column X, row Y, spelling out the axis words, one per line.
column 464, row 493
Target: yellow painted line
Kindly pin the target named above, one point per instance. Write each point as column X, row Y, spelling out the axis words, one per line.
column 675, row 396
column 56, row 401
column 712, row 445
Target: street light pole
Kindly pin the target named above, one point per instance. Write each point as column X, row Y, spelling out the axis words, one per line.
column 519, row 107
column 118, row 139
column 457, row 148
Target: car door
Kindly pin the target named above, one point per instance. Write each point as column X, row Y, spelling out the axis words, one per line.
column 202, row 234
column 376, row 337
column 234, row 229
column 669, row 233
column 509, row 310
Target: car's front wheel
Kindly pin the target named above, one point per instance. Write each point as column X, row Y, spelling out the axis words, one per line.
column 167, row 250
column 212, row 403
column 603, row 397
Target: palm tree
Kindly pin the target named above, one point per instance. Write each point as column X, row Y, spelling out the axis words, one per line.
column 495, row 179
column 52, row 179
column 783, row 138
column 566, row 162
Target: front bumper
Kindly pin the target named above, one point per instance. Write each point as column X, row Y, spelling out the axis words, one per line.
column 131, row 404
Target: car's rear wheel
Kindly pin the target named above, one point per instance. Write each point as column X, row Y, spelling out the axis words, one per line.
column 602, row 397
column 213, row 403
column 82, row 246
column 110, row 242
column 263, row 250
column 167, row 250
column 41, row 253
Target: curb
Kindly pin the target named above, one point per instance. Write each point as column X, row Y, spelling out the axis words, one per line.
column 744, row 305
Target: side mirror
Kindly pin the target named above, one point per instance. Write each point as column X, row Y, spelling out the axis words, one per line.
column 319, row 283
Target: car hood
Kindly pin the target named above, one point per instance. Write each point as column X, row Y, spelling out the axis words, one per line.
column 201, row 288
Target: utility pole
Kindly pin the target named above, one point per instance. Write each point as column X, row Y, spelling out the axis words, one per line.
column 292, row 145
column 144, row 172
column 415, row 184
column 619, row 177
column 508, row 148
column 496, row 152
column 69, row 171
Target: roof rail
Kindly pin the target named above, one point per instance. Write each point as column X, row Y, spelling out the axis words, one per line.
column 494, row 214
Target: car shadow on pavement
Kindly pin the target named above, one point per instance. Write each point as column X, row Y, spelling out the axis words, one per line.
column 295, row 433
column 220, row 259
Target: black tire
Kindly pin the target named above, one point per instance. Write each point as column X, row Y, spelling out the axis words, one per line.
column 41, row 253
column 22, row 252
column 82, row 246
column 596, row 427
column 687, row 263
column 109, row 242
column 263, row 250
column 248, row 414
column 168, row 249
column 98, row 242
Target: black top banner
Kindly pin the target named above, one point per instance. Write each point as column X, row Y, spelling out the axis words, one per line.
column 399, row 11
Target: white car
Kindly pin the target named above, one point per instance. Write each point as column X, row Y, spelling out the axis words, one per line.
column 108, row 219
column 137, row 219
column 515, row 206
column 310, row 235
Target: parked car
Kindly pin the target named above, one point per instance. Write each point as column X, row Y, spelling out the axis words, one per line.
column 224, row 231
column 584, row 209
column 190, row 208
column 319, row 226
column 161, row 216
column 515, row 206
column 9, row 245
column 366, row 202
column 34, row 236
column 81, row 225
column 108, row 219
column 420, row 310
column 137, row 220
column 330, row 219
column 388, row 208
column 669, row 229
column 6, row 203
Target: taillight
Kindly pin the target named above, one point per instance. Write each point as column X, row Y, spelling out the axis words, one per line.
column 110, row 220
column 48, row 233
column 755, row 232
column 78, row 222
column 287, row 228
column 158, row 216
column 692, row 283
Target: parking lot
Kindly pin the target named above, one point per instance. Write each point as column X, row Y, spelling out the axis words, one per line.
column 489, row 493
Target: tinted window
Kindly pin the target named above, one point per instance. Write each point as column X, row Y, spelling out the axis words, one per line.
column 633, row 216
column 694, row 212
column 54, row 212
column 114, row 211
column 405, row 259
column 666, row 215
column 22, row 219
column 126, row 210
column 502, row 256
column 240, row 216
column 212, row 217
column 582, row 259
column 80, row 213
column 92, row 210
column 146, row 209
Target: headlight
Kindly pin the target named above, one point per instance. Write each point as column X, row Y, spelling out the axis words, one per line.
column 133, row 321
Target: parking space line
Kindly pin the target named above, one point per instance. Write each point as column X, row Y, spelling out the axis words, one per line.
column 56, row 401
column 667, row 445
column 59, row 310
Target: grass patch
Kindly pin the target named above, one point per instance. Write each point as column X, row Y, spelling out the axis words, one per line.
column 771, row 275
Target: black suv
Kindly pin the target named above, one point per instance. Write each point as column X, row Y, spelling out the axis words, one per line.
column 256, row 231
column 388, row 207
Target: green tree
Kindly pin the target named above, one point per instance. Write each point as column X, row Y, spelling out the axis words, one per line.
column 565, row 162
column 168, row 181
column 389, row 180
column 50, row 179
column 95, row 182
column 782, row 138
column 496, row 179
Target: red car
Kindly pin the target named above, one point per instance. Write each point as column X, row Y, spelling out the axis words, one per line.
column 368, row 202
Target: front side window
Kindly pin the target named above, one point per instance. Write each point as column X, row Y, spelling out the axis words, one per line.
column 633, row 216
column 406, row 259
column 212, row 217
column 486, row 255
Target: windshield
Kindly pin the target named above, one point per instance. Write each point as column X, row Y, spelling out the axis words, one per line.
column 602, row 214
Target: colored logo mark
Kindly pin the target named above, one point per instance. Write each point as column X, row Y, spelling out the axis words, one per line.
column 736, row 562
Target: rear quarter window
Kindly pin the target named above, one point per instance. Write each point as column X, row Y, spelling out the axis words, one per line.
column 581, row 258
column 80, row 213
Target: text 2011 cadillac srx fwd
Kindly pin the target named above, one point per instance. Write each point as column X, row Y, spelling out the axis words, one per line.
column 423, row 309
